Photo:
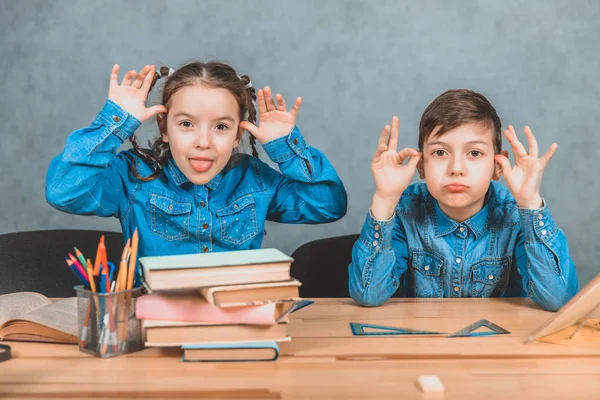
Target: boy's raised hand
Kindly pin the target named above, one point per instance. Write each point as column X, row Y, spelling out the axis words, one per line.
column 390, row 174
column 132, row 93
column 525, row 177
column 274, row 120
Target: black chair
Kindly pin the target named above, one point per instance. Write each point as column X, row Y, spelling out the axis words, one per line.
column 34, row 261
column 322, row 267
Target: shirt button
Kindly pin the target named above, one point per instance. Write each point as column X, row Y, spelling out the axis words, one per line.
column 456, row 288
column 205, row 249
column 375, row 242
column 541, row 223
column 376, row 227
column 202, row 204
column 170, row 207
column 458, row 260
column 116, row 118
column 376, row 235
column 205, row 226
column 490, row 277
column 426, row 268
column 544, row 232
column 295, row 141
column 462, row 229
column 235, row 206
column 540, row 216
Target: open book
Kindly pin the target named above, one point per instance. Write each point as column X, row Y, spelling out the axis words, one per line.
column 33, row 317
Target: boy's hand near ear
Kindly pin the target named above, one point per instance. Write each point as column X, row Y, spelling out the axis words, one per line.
column 132, row 93
column 525, row 177
column 274, row 121
column 390, row 174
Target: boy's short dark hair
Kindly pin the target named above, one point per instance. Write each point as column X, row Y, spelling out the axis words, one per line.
column 457, row 107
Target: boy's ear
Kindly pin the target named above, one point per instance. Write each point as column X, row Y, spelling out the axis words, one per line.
column 161, row 121
column 421, row 168
column 498, row 167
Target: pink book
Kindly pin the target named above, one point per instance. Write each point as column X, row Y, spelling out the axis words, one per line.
column 191, row 307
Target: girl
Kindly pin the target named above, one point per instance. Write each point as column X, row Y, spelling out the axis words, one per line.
column 192, row 192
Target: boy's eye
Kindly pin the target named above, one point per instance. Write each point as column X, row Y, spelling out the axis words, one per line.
column 186, row 124
column 475, row 153
column 222, row 127
column 439, row 153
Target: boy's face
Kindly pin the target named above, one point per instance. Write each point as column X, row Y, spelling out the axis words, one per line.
column 202, row 130
column 458, row 167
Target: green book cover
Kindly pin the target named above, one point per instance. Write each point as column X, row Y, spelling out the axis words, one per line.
column 211, row 260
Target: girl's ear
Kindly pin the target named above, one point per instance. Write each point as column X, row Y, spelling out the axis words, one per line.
column 161, row 121
column 498, row 167
column 238, row 138
column 421, row 168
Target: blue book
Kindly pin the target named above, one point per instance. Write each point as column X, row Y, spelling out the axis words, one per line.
column 229, row 352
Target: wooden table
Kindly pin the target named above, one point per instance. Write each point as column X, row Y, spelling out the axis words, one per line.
column 325, row 361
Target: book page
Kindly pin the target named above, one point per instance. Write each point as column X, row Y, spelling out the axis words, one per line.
column 14, row 305
column 61, row 316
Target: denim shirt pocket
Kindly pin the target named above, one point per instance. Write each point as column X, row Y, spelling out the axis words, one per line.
column 170, row 218
column 238, row 220
column 490, row 277
column 426, row 270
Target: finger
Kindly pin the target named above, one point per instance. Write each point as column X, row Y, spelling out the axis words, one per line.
column 382, row 148
column 114, row 75
column 414, row 159
column 269, row 99
column 517, row 146
column 407, row 152
column 148, row 79
column 548, row 156
column 250, row 127
column 393, row 145
column 157, row 109
column 260, row 100
column 296, row 108
column 383, row 138
column 139, row 78
column 533, row 144
column 503, row 161
column 280, row 102
column 128, row 77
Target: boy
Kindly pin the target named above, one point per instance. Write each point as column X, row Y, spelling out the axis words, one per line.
column 460, row 234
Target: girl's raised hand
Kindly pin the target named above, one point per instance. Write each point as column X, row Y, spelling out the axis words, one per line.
column 132, row 93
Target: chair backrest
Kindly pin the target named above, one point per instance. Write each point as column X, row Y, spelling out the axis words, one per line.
column 34, row 261
column 322, row 266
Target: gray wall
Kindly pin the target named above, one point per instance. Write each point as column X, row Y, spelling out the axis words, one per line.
column 356, row 63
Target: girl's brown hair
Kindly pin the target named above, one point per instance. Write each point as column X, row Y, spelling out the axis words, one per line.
column 214, row 74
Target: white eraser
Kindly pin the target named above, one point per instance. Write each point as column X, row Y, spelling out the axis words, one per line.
column 431, row 384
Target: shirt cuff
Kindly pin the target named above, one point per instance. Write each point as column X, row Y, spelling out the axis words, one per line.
column 118, row 121
column 537, row 224
column 377, row 235
column 286, row 147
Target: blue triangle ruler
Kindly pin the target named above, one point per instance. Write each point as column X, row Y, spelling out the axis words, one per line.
column 468, row 330
column 358, row 329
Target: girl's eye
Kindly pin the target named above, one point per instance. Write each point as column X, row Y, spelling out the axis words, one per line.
column 222, row 127
column 439, row 153
column 186, row 124
column 475, row 153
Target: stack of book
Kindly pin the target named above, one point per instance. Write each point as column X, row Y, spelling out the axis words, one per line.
column 224, row 306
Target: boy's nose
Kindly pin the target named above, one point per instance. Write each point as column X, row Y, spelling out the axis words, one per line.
column 457, row 167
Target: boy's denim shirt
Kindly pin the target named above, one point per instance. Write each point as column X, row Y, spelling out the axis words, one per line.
column 502, row 251
column 173, row 215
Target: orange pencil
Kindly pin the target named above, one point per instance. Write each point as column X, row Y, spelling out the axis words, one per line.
column 132, row 259
column 98, row 259
column 122, row 267
column 91, row 275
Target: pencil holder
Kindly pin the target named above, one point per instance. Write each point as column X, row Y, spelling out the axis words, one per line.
column 107, row 323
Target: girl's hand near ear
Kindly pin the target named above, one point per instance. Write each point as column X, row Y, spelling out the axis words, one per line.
column 274, row 120
column 391, row 175
column 132, row 93
column 524, row 179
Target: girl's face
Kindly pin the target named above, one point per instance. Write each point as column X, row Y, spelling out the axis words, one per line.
column 202, row 129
